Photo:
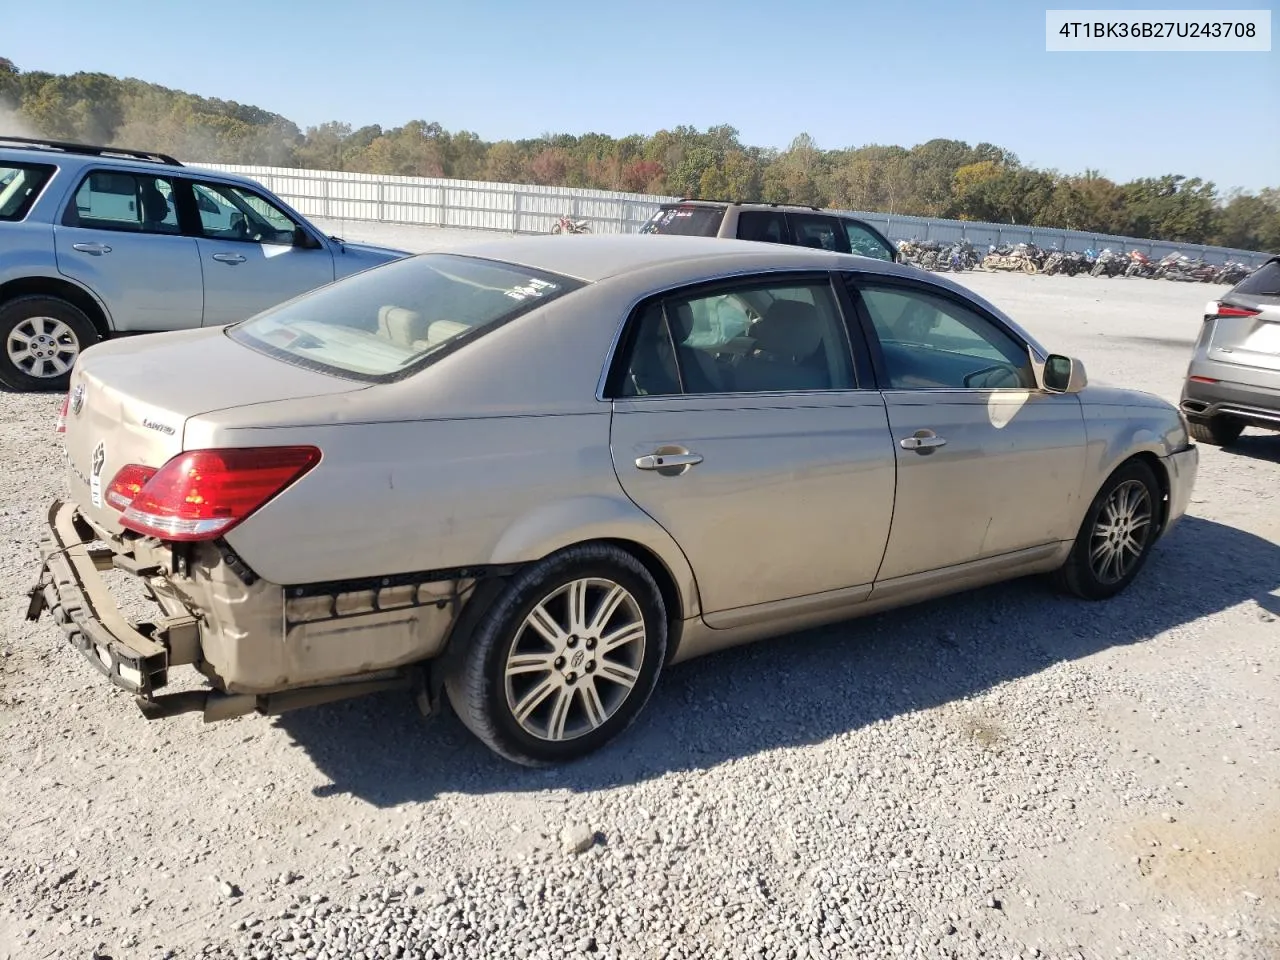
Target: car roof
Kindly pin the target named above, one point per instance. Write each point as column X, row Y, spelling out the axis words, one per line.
column 752, row 204
column 81, row 155
column 594, row 257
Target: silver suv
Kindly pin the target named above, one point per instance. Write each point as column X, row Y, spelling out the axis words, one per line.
column 96, row 242
column 772, row 223
column 1233, row 380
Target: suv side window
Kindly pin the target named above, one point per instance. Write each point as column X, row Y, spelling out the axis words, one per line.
column 932, row 342
column 20, row 184
column 865, row 243
column 130, row 202
column 751, row 338
column 767, row 226
column 235, row 213
column 815, row 230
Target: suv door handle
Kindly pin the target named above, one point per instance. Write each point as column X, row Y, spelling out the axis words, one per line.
column 660, row 461
column 228, row 258
column 922, row 442
column 97, row 249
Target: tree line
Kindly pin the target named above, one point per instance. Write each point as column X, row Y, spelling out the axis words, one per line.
column 939, row 178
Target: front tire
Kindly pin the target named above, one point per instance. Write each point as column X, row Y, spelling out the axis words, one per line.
column 565, row 658
column 1218, row 432
column 1116, row 537
column 42, row 337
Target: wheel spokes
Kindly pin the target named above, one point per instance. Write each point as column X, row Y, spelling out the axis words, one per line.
column 583, row 633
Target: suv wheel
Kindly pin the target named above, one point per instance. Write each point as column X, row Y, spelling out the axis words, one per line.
column 1217, row 432
column 42, row 337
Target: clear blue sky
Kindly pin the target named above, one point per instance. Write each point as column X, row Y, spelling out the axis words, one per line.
column 848, row 73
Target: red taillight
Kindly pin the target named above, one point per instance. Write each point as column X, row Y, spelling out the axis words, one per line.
column 61, row 424
column 127, row 484
column 1226, row 310
column 1203, row 379
column 202, row 494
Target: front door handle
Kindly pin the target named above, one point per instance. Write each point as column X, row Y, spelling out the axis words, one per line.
column 922, row 442
column 660, row 461
column 228, row 258
column 97, row 249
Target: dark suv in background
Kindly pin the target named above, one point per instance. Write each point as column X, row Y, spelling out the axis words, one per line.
column 772, row 223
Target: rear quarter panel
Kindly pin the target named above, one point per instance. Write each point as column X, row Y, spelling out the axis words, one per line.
column 431, row 494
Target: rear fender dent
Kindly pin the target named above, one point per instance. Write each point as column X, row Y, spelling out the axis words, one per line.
column 554, row 526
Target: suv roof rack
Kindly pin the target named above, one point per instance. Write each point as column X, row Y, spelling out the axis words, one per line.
column 150, row 156
column 759, row 203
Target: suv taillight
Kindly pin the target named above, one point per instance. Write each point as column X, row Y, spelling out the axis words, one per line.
column 1228, row 310
column 201, row 494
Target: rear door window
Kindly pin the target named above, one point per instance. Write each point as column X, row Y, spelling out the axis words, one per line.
column 816, row 230
column 20, row 184
column 767, row 226
column 134, row 203
column 689, row 220
column 1263, row 282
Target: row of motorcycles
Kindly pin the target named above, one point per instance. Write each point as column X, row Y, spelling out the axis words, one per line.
column 1029, row 258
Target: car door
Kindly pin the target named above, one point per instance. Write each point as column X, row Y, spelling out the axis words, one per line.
column 120, row 236
column 739, row 426
column 251, row 254
column 988, row 464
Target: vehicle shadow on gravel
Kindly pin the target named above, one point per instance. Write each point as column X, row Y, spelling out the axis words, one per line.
column 806, row 687
column 1257, row 446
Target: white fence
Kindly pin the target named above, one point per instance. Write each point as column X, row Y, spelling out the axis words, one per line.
column 526, row 208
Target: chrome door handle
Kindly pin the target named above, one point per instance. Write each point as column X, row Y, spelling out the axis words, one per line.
column 659, row 461
column 228, row 258
column 97, row 249
column 922, row 442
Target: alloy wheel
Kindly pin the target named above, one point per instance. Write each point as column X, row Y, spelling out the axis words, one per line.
column 575, row 659
column 1121, row 532
column 42, row 347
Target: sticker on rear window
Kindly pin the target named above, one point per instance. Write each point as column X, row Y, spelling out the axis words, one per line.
column 534, row 288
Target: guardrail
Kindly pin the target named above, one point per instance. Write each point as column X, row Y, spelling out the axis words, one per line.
column 528, row 208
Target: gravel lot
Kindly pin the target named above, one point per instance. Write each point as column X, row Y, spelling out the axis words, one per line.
column 1000, row 774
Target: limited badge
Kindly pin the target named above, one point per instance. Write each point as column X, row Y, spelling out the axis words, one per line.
column 95, row 474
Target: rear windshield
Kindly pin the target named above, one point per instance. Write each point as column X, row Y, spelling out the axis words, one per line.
column 387, row 322
column 686, row 221
column 1263, row 282
column 20, row 184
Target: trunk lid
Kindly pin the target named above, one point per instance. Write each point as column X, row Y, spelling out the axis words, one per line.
column 1251, row 341
column 131, row 399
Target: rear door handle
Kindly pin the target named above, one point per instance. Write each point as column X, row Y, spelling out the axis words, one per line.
column 922, row 441
column 228, row 258
column 97, row 249
column 659, row 461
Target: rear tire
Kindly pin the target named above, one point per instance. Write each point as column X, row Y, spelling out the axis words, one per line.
column 1121, row 525
column 1218, row 432
column 539, row 685
column 41, row 338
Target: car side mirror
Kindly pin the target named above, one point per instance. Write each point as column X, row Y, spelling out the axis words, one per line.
column 303, row 239
column 1063, row 374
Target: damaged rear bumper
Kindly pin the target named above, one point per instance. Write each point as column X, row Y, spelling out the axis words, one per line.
column 134, row 657
column 261, row 647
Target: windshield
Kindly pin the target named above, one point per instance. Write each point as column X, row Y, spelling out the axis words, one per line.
column 387, row 322
column 686, row 221
column 20, row 184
